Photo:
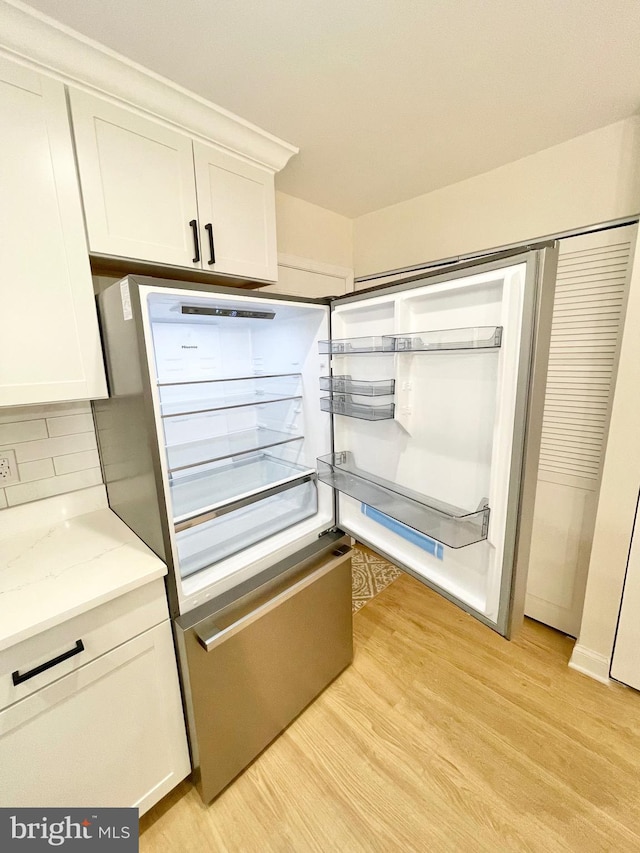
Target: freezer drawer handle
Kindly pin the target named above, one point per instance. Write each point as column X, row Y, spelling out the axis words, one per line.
column 211, row 636
column 196, row 242
column 209, row 229
column 18, row 679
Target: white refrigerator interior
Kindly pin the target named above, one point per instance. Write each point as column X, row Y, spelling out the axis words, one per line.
column 423, row 383
column 234, row 382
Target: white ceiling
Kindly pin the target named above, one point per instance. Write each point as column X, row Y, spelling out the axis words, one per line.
column 387, row 99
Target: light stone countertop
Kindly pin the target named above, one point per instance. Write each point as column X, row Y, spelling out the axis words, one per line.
column 66, row 562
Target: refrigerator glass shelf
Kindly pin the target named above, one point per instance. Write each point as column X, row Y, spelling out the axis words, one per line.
column 207, row 544
column 236, row 401
column 196, row 494
column 340, row 404
column 449, row 525
column 471, row 338
column 345, row 384
column 261, row 378
column 204, row 451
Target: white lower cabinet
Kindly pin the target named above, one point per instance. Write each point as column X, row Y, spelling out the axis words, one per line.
column 109, row 733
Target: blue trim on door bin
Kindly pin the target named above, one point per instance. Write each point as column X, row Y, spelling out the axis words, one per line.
column 425, row 542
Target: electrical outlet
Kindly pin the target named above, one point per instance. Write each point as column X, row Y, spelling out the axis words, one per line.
column 8, row 468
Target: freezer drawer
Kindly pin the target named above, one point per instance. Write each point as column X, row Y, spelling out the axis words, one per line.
column 252, row 665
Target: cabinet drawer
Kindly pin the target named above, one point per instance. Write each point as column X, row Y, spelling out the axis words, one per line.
column 109, row 734
column 98, row 630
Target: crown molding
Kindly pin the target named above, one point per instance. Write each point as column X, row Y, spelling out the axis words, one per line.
column 57, row 50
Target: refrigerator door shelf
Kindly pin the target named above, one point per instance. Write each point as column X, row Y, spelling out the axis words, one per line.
column 473, row 337
column 449, row 525
column 210, row 542
column 345, row 384
column 342, row 404
column 193, row 454
column 476, row 337
column 355, row 346
column 247, row 477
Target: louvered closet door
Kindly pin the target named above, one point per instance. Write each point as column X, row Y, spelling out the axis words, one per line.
column 593, row 275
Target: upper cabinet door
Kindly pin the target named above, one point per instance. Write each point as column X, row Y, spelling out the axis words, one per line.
column 137, row 184
column 236, row 201
column 49, row 344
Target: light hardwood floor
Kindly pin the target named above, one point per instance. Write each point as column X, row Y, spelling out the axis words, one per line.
column 442, row 736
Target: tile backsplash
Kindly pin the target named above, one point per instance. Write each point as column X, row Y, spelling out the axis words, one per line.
column 55, row 447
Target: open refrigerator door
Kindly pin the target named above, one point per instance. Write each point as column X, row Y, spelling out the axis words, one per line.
column 432, row 384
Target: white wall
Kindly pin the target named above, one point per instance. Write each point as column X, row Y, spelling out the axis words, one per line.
column 617, row 503
column 592, row 178
column 308, row 231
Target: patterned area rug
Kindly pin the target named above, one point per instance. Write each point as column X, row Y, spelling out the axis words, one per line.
column 370, row 574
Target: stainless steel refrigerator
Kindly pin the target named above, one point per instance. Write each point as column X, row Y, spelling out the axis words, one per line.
column 247, row 433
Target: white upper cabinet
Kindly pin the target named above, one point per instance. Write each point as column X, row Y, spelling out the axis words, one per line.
column 153, row 194
column 49, row 345
column 236, row 202
column 137, row 183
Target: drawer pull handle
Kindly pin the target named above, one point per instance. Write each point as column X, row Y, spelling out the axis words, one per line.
column 210, row 635
column 18, row 679
column 212, row 252
column 196, row 242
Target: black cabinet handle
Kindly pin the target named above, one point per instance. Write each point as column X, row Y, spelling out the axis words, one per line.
column 18, row 679
column 209, row 229
column 196, row 240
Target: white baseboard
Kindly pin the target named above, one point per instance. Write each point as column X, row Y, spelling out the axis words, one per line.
column 590, row 663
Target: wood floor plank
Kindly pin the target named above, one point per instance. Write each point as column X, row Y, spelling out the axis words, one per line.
column 441, row 736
